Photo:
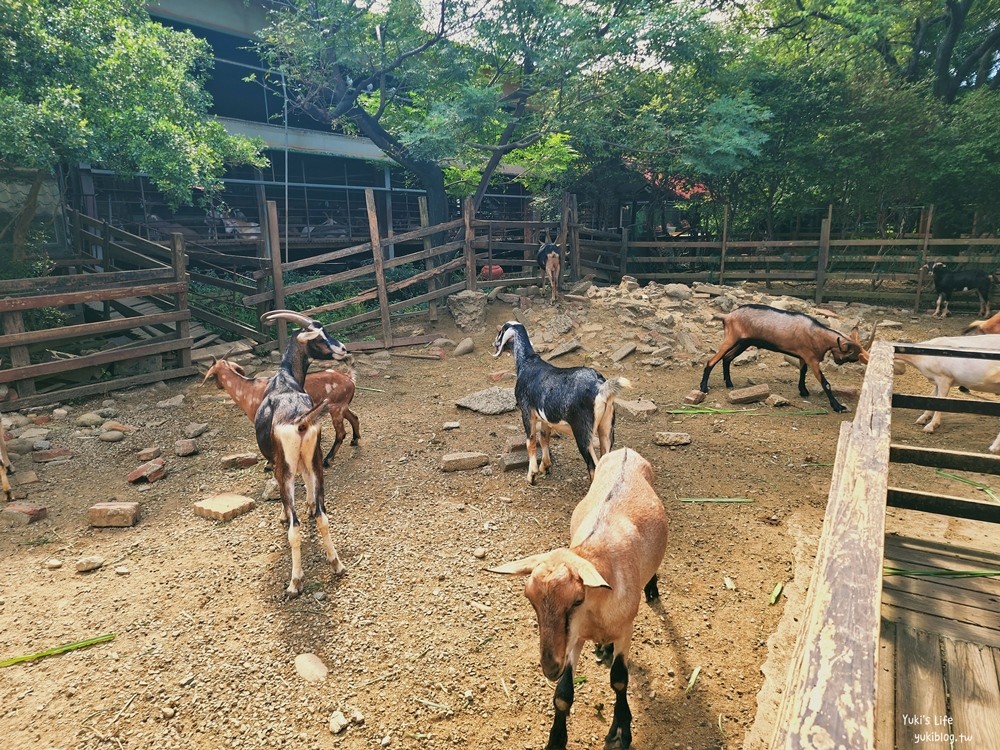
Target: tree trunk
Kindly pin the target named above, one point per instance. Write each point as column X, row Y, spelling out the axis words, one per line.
column 22, row 223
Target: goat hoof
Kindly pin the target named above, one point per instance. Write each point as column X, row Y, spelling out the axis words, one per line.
column 338, row 567
column 326, row 464
column 294, row 589
column 929, row 428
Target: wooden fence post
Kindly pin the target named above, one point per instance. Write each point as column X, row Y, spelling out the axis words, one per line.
column 425, row 221
column 623, row 261
column 563, row 230
column 574, row 246
column 927, row 218
column 725, row 244
column 383, row 296
column 13, row 322
column 274, row 251
column 823, row 259
column 178, row 258
column 468, row 213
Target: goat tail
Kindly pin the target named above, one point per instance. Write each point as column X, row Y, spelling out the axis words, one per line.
column 614, row 387
column 307, row 419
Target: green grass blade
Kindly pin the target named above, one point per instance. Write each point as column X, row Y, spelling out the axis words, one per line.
column 714, row 500
column 776, row 593
column 692, row 680
column 940, row 573
column 58, row 650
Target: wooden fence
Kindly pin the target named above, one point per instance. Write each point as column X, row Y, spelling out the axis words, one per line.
column 837, row 694
column 129, row 318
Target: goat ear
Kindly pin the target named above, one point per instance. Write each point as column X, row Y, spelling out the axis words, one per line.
column 308, row 334
column 591, row 578
column 521, row 567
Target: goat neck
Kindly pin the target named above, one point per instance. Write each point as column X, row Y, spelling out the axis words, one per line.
column 515, row 334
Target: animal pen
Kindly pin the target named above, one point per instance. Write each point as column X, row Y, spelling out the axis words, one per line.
column 905, row 633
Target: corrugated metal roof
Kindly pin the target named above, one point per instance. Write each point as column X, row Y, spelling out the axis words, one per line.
column 306, row 141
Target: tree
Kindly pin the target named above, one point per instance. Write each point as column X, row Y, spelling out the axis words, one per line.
column 97, row 80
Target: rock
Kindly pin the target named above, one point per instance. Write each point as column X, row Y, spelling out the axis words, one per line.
column 25, row 477
column 90, row 419
column 623, row 351
column 451, row 425
column 338, row 722
column 148, row 454
column 672, row 438
column 171, row 402
column 749, row 395
column 442, row 343
column 514, row 444
column 195, row 429
column 240, row 460
column 479, row 553
column 514, row 461
column 223, row 507
column 562, row 349
column 21, row 514
column 271, row 490
column 628, row 284
column 463, row 461
column 468, row 308
column 114, row 424
column 490, row 401
column 775, row 400
column 53, row 564
column 310, row 668
column 150, row 471
column 113, row 514
column 465, row 346
column 121, row 570
column 642, row 407
column 185, row 447
column 677, row 291
column 87, row 564
column 20, row 447
column 711, row 290
column 695, row 397
column 357, row 717
column 747, row 358
column 53, row 454
column 41, row 445
column 34, row 433
column 890, row 324
column 111, row 436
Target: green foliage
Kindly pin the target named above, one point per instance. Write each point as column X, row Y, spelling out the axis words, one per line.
column 98, row 80
column 35, row 265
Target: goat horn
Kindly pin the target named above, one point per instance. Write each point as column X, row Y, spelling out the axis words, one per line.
column 871, row 339
column 270, row 317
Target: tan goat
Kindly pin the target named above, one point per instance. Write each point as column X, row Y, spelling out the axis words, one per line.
column 591, row 590
column 337, row 387
column 5, row 467
column 990, row 325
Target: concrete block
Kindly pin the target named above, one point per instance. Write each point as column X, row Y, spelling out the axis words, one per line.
column 113, row 514
column 513, row 461
column 224, row 507
column 464, row 461
column 749, row 395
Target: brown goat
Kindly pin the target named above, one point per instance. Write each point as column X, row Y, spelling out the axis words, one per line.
column 791, row 333
column 990, row 325
column 335, row 387
column 5, row 467
column 548, row 261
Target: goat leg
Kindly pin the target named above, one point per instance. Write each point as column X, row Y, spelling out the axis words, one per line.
column 339, row 433
column 834, row 403
column 652, row 590
column 621, row 723
column 286, row 483
column 803, row 391
column 352, row 418
column 562, row 701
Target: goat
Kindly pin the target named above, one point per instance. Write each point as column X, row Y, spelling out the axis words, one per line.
column 289, row 437
column 991, row 325
column 981, row 375
column 569, row 400
column 946, row 282
column 591, row 590
column 792, row 333
column 548, row 261
column 335, row 386
column 5, row 468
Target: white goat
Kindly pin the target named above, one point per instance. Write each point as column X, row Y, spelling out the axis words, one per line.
column 981, row 375
column 591, row 590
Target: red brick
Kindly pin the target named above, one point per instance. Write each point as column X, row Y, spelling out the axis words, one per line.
column 113, row 514
column 151, row 471
column 515, row 443
column 695, row 397
column 148, row 454
column 23, row 513
column 43, row 419
column 185, row 447
column 52, row 454
column 239, row 460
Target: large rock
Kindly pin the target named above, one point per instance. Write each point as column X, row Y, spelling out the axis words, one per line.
column 490, row 401
column 464, row 461
column 468, row 308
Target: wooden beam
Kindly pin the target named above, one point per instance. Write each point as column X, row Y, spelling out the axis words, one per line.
column 469, row 214
column 62, row 284
column 105, row 386
column 943, row 505
column 92, row 360
column 377, row 257
column 274, row 250
column 367, row 346
column 92, row 329
column 983, row 463
column 12, row 304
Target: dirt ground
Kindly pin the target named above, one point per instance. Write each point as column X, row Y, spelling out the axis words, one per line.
column 425, row 649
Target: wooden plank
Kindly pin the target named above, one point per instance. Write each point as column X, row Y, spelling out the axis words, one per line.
column 973, row 593
column 931, row 623
column 919, row 689
column 104, row 387
column 61, row 284
column 13, row 325
column 952, row 611
column 832, row 682
column 983, row 463
column 92, row 329
column 945, row 505
column 436, row 294
column 226, row 324
column 940, row 550
column 950, row 405
column 232, row 286
column 404, row 260
column 92, row 360
column 10, row 304
column 377, row 257
column 469, row 214
column 975, row 694
column 885, row 697
column 367, row 346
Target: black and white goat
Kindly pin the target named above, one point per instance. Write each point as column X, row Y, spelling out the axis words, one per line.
column 981, row 375
column 792, row 333
column 548, row 261
column 288, row 434
column 569, row 400
column 946, row 282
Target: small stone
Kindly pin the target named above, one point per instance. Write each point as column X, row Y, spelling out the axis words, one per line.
column 566, row 348
column 87, row 564
column 59, row 413
column 41, row 445
column 386, row 741
column 121, row 570
column 489, row 401
column 890, row 324
column 672, row 438
column 53, row 564
column 90, row 419
column 171, row 402
column 148, row 454
column 310, row 668
column 53, row 454
column 749, row 395
column 357, row 717
column 240, row 460
column 514, row 461
column 695, row 397
column 641, row 408
column 185, row 447
column 465, row 346
column 114, row 424
column 479, row 553
column 21, row 514
column 25, row 477
column 464, row 461
column 111, row 436
column 775, row 400
column 271, row 490
column 168, row 712
column 113, row 514
column 623, row 352
column 338, row 722
column 515, row 444
column 195, row 429
column 150, row 471
column 224, row 507
column 451, row 425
